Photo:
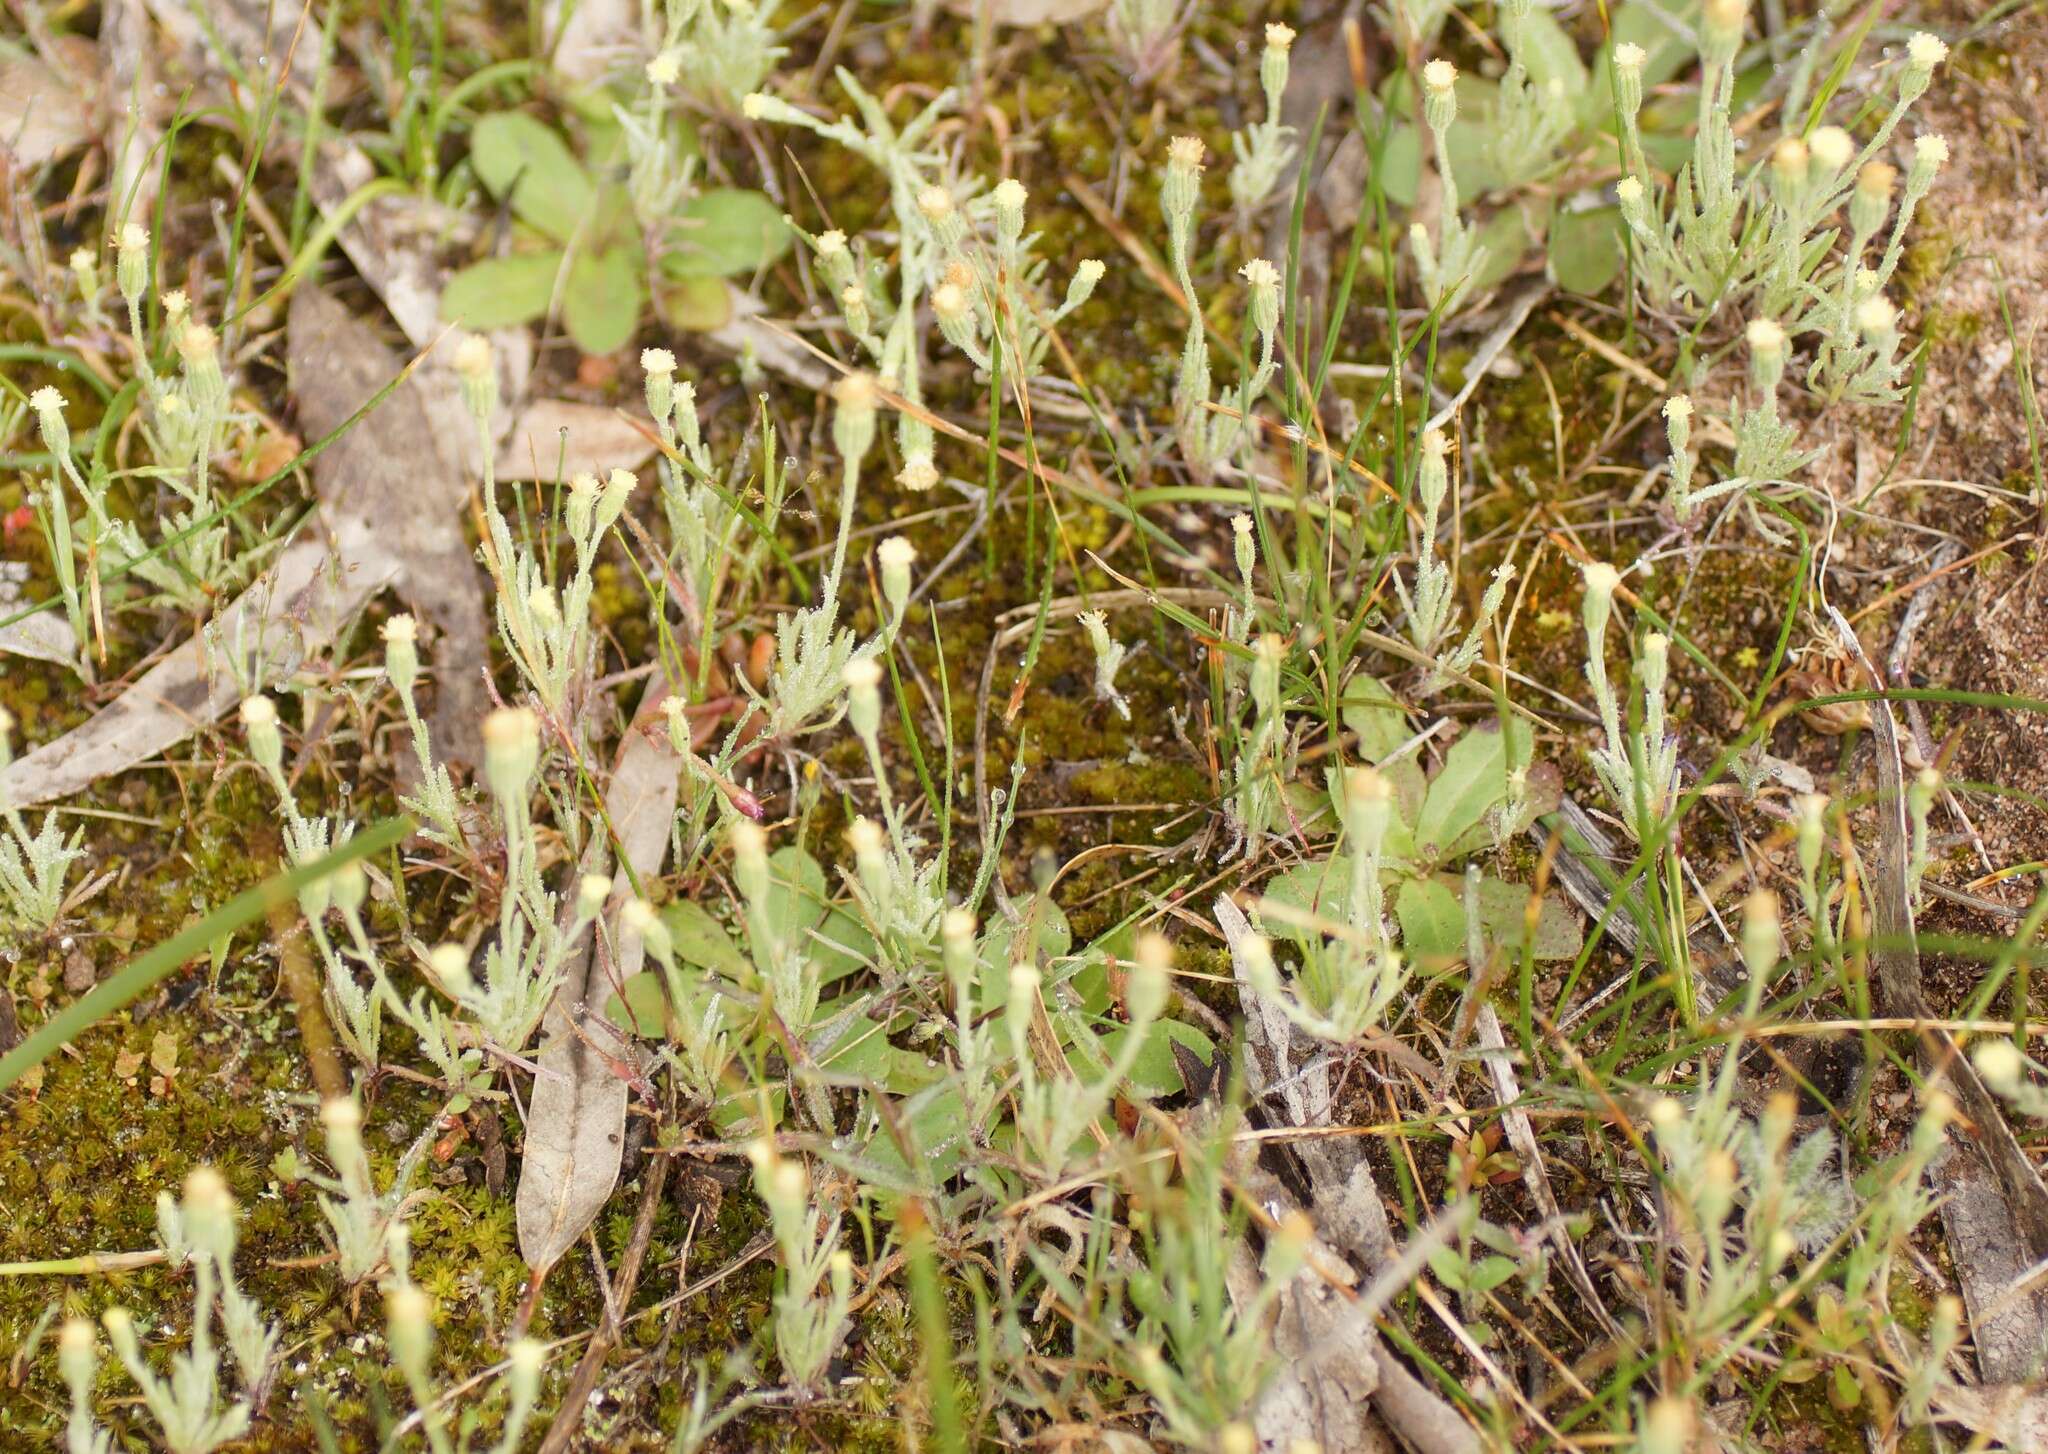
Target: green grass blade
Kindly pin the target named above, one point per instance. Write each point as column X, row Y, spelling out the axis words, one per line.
column 128, row 983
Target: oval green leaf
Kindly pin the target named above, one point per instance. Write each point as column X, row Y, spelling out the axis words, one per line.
column 516, row 156
column 501, row 292
column 601, row 304
column 725, row 233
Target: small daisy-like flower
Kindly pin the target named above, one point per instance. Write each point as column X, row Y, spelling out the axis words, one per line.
column 1788, row 159
column 1439, row 76
column 665, row 69
column 1832, row 147
column 657, row 361
column 1260, row 273
column 1279, row 37
column 473, row 356
column 1630, row 57
column 1876, row 317
column 896, row 553
column 1010, row 194
column 196, row 344
column 1924, row 52
column 862, row 674
column 855, row 391
column 1185, row 151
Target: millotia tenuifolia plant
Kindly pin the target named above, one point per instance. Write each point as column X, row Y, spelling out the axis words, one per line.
column 191, row 1412
column 33, row 866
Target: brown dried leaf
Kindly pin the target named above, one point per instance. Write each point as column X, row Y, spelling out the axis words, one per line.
column 554, row 438
column 46, row 110
column 1028, row 13
column 404, row 474
column 576, row 1119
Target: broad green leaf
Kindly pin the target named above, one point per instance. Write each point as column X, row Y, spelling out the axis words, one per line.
column 701, row 940
column 1585, row 249
column 1663, row 28
column 840, row 946
column 1055, row 939
column 935, row 1120
column 1154, row 1072
column 1432, row 921
column 1473, row 779
column 1302, row 809
column 1321, row 887
column 501, row 292
column 1375, row 717
column 1090, row 983
column 1401, row 166
column 601, row 301
column 641, row 1003
column 1502, row 910
column 727, row 232
column 695, row 305
column 518, row 157
column 1506, row 237
column 852, row 1043
column 1470, row 142
column 796, row 893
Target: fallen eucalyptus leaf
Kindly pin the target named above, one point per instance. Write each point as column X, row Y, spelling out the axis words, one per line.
column 44, row 636
column 45, row 112
column 576, row 1118
column 556, row 438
